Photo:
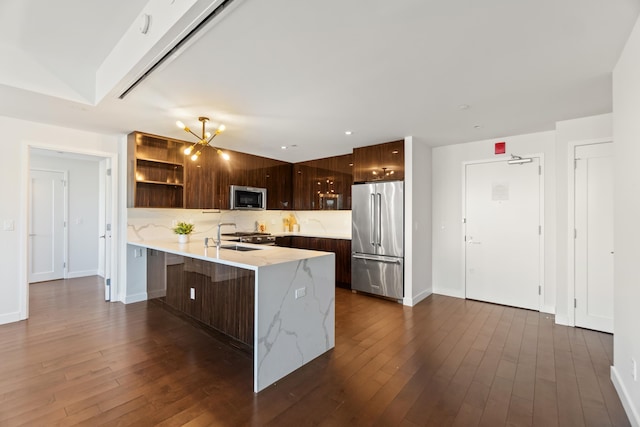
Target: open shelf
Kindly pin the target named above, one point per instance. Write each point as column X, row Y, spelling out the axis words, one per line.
column 157, row 173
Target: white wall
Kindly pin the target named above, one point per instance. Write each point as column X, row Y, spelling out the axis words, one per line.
column 626, row 135
column 17, row 137
column 448, row 261
column 417, row 226
column 569, row 133
column 83, row 203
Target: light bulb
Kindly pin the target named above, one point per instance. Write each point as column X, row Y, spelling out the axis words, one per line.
column 221, row 128
column 195, row 156
column 225, row 156
column 180, row 124
column 207, row 135
column 188, row 150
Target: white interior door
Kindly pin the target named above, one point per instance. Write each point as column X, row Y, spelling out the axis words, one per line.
column 107, row 231
column 594, row 237
column 46, row 226
column 503, row 233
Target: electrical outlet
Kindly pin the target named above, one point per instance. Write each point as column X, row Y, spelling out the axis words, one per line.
column 301, row 292
column 634, row 369
column 192, row 293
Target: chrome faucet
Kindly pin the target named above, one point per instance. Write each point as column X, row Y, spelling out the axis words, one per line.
column 219, row 239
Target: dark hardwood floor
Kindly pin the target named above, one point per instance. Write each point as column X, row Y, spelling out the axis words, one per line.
column 79, row 360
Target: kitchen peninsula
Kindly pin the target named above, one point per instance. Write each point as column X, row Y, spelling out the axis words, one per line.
column 287, row 297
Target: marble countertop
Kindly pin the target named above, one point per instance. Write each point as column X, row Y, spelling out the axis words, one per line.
column 252, row 260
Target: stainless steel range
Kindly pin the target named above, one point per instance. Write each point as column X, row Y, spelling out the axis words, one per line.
column 254, row 237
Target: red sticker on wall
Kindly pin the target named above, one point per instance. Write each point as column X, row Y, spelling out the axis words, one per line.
column 501, row 147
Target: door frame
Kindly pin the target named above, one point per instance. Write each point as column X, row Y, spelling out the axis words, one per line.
column 571, row 223
column 23, row 238
column 463, row 225
column 65, row 218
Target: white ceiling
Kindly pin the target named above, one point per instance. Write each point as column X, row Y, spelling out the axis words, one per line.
column 287, row 72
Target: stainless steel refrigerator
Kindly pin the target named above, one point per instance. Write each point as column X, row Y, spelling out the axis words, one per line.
column 377, row 242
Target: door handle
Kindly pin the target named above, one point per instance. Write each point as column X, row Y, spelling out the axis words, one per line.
column 472, row 242
column 32, row 235
column 102, row 237
column 372, row 220
column 379, row 196
column 370, row 258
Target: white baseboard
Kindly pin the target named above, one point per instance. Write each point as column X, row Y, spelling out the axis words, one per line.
column 449, row 293
column 157, row 293
column 130, row 299
column 84, row 273
column 10, row 317
column 411, row 301
column 632, row 411
column 563, row 320
column 550, row 309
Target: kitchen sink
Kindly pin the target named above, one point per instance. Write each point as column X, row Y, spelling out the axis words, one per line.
column 239, row 248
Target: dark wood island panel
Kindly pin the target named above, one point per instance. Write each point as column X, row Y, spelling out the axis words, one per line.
column 224, row 296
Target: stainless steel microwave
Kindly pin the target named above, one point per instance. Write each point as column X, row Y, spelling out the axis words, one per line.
column 249, row 198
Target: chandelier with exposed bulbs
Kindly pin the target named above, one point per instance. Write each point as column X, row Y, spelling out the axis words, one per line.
column 203, row 141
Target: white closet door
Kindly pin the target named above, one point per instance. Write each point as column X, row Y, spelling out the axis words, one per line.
column 46, row 226
column 594, row 237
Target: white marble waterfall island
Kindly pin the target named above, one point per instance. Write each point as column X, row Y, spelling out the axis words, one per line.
column 289, row 293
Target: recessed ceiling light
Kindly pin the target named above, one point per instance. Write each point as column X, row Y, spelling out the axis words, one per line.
column 347, row 132
column 464, row 106
column 477, row 126
column 284, row 147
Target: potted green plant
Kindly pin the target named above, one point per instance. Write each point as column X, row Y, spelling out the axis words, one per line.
column 183, row 229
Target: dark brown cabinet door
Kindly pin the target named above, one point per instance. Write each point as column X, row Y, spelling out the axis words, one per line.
column 379, row 162
column 323, row 184
column 201, row 180
column 279, row 186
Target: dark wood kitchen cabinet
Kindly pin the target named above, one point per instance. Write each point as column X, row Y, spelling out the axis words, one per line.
column 223, row 296
column 262, row 172
column 340, row 247
column 323, row 184
column 155, row 168
column 379, row 162
column 210, row 177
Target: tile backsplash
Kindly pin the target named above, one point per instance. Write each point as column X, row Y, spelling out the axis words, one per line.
column 151, row 224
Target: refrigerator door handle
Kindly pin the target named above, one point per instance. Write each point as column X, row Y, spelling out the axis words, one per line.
column 378, row 259
column 379, row 196
column 372, row 220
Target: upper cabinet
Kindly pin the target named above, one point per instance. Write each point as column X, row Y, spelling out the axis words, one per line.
column 156, row 171
column 379, row 162
column 161, row 176
column 209, row 178
column 262, row 172
column 323, row 184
